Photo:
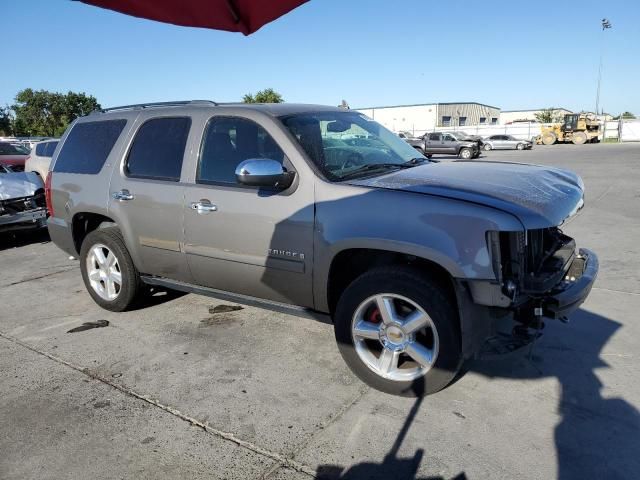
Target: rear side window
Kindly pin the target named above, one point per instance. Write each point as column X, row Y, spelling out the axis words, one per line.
column 50, row 148
column 40, row 148
column 434, row 136
column 87, row 146
column 158, row 149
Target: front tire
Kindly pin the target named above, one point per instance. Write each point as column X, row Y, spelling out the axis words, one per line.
column 398, row 331
column 520, row 146
column 487, row 147
column 108, row 271
column 465, row 153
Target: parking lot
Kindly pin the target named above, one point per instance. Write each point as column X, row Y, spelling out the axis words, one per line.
column 173, row 390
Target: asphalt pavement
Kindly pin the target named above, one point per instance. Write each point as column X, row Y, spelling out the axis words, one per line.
column 172, row 390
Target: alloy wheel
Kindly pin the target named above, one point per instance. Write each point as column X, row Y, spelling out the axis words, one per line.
column 103, row 270
column 394, row 337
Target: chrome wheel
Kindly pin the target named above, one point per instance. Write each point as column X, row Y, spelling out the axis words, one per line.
column 104, row 272
column 394, row 337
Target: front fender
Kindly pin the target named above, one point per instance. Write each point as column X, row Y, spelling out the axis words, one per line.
column 450, row 233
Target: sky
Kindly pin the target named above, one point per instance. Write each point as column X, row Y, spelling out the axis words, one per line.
column 510, row 54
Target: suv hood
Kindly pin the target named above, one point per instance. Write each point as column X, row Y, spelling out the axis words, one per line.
column 19, row 184
column 539, row 196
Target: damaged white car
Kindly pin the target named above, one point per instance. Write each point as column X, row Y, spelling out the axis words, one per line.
column 22, row 202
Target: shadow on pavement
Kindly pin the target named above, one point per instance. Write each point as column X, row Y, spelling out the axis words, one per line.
column 597, row 437
column 23, row 238
column 391, row 466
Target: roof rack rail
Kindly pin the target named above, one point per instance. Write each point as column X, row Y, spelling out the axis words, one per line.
column 159, row 104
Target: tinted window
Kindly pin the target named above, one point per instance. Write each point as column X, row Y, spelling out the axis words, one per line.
column 40, row 148
column 158, row 149
column 8, row 149
column 229, row 141
column 87, row 146
column 50, row 148
column 434, row 136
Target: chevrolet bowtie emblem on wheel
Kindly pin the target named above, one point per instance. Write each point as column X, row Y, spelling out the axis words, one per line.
column 274, row 252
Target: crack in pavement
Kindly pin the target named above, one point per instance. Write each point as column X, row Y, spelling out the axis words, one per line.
column 281, row 460
column 26, row 280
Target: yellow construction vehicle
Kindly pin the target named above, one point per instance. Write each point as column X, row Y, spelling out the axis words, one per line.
column 578, row 128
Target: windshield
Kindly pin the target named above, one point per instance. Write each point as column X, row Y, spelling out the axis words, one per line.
column 344, row 144
column 8, row 149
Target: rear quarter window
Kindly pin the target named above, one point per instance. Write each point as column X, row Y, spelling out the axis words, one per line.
column 157, row 150
column 87, row 146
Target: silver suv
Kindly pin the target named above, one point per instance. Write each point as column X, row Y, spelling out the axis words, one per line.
column 323, row 213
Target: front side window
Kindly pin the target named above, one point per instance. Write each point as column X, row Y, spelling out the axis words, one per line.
column 227, row 142
column 348, row 144
column 448, row 138
column 158, row 149
column 87, row 146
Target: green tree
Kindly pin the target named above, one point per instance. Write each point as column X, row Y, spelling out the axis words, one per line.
column 625, row 115
column 6, row 125
column 268, row 95
column 548, row 115
column 44, row 113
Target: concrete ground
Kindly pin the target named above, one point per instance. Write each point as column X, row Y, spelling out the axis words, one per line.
column 172, row 391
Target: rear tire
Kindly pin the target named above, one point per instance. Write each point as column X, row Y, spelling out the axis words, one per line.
column 405, row 288
column 108, row 271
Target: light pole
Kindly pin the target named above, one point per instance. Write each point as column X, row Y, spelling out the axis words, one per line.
column 605, row 25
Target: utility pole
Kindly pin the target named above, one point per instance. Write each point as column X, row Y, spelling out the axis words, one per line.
column 605, row 25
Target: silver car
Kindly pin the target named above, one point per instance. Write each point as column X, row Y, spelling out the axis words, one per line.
column 40, row 158
column 506, row 142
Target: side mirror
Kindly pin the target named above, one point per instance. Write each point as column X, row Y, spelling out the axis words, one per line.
column 263, row 172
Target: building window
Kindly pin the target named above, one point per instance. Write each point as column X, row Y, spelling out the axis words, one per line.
column 494, row 121
column 462, row 121
column 446, row 121
column 483, row 120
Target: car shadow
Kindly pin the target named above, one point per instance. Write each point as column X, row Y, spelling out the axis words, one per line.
column 391, row 466
column 22, row 238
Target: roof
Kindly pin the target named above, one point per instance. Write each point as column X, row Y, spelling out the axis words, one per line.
column 536, row 109
column 275, row 109
column 427, row 105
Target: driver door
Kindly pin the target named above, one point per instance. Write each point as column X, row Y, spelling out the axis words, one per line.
column 248, row 240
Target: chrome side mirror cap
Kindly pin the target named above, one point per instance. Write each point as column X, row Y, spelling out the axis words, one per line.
column 263, row 172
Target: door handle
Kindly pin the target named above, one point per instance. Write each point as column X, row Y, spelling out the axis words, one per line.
column 203, row 207
column 122, row 195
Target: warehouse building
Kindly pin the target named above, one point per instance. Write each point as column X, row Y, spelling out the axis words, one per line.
column 421, row 118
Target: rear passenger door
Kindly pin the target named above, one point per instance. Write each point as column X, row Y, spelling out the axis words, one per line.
column 434, row 143
column 248, row 240
column 146, row 194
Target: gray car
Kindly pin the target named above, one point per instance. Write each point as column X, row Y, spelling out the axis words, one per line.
column 445, row 143
column 321, row 213
column 506, row 142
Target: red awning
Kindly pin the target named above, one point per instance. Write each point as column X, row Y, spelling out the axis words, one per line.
column 244, row 16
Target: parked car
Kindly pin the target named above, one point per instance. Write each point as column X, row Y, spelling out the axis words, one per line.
column 413, row 261
column 22, row 202
column 465, row 137
column 445, row 144
column 506, row 142
column 40, row 158
column 12, row 156
column 406, row 135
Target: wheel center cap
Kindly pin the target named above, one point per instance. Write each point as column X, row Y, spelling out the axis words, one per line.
column 395, row 334
column 394, row 338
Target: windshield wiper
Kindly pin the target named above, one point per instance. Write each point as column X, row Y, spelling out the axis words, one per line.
column 373, row 167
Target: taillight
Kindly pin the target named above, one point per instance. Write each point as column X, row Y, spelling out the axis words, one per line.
column 47, row 193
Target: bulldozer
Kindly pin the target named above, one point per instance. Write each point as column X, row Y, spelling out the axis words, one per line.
column 577, row 128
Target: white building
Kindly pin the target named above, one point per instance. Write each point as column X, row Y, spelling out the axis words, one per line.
column 421, row 118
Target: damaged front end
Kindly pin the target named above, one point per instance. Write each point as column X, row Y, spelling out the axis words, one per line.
column 540, row 273
column 22, row 202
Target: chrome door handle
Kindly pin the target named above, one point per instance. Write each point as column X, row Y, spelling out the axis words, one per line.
column 122, row 195
column 203, row 207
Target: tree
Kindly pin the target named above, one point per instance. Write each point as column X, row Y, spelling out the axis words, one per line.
column 6, row 125
column 268, row 95
column 48, row 114
column 548, row 115
column 625, row 115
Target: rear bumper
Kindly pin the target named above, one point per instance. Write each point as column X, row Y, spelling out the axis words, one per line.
column 62, row 235
column 28, row 219
column 574, row 289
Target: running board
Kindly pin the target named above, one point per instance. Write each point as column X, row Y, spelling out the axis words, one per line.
column 238, row 298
